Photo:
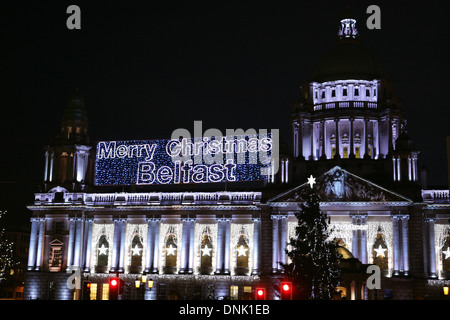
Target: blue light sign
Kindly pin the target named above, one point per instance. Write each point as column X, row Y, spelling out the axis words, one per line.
column 198, row 160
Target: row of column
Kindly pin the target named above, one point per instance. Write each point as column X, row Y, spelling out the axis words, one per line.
column 410, row 171
column 304, row 138
column 79, row 245
column 36, row 244
column 359, row 242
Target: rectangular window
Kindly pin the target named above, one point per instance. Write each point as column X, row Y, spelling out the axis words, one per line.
column 93, row 293
column 105, row 291
column 356, row 92
column 367, row 93
column 344, row 92
column 234, row 292
column 333, row 93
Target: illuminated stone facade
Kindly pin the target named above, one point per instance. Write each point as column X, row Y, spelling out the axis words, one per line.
column 348, row 130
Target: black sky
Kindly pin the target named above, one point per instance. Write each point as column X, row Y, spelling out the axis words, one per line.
column 146, row 68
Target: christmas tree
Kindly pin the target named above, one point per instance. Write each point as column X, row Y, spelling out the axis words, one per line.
column 313, row 267
column 6, row 255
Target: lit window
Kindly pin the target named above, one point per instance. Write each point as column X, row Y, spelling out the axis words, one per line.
column 234, row 292
column 242, row 252
column 105, row 291
column 171, row 251
column 93, row 291
column 136, row 251
column 206, row 252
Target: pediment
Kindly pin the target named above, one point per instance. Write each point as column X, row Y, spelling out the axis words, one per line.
column 58, row 189
column 56, row 242
column 339, row 185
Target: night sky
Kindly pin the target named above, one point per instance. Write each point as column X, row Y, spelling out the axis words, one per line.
column 146, row 68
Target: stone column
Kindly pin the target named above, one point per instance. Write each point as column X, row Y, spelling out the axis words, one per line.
column 77, row 249
column 33, row 243
column 390, row 148
column 150, row 246
column 184, row 245
column 191, row 245
column 351, row 154
column 275, row 243
column 283, row 240
column 296, row 138
column 227, row 246
column 122, row 245
column 311, row 128
column 337, row 155
column 70, row 245
column 396, row 236
column 156, row 226
column 431, row 246
column 256, row 243
column 116, row 246
column 220, row 245
column 87, row 247
column 50, row 176
column 40, row 244
column 322, row 123
column 405, row 244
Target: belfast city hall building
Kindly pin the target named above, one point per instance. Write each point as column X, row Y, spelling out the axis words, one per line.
column 178, row 230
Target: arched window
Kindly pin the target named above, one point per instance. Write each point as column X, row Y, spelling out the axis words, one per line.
column 206, row 252
column 171, row 251
column 102, row 251
column 380, row 252
column 242, row 252
column 137, row 250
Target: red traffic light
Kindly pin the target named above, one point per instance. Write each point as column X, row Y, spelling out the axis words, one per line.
column 88, row 285
column 286, row 287
column 260, row 294
column 113, row 282
column 286, row 290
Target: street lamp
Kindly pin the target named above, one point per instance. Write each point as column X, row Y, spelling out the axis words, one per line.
column 137, row 283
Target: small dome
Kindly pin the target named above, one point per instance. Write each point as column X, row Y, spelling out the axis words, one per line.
column 344, row 253
column 348, row 59
column 75, row 108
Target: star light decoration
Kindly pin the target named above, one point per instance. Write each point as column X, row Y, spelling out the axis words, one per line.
column 171, row 250
column 102, row 250
column 380, row 251
column 242, row 251
column 311, row 181
column 206, row 251
column 447, row 253
column 136, row 251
